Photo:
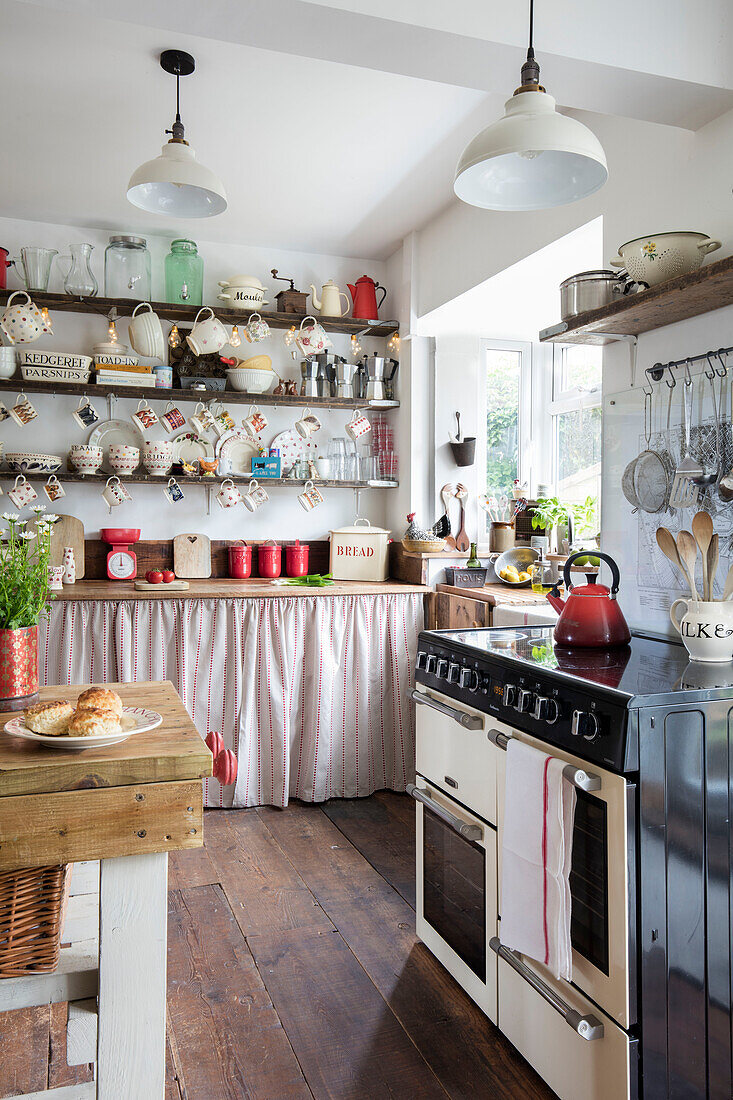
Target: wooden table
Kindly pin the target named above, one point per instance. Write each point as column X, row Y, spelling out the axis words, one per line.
column 217, row 588
column 127, row 806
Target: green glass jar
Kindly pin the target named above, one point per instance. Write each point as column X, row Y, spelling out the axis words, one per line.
column 184, row 273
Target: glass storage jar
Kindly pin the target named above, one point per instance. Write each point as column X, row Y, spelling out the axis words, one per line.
column 184, row 273
column 127, row 269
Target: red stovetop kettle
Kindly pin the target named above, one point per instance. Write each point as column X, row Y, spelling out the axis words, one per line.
column 590, row 615
column 364, row 296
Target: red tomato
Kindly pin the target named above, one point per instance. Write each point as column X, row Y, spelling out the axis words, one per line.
column 154, row 577
column 168, row 576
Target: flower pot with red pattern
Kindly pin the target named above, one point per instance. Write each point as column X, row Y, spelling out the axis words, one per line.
column 18, row 667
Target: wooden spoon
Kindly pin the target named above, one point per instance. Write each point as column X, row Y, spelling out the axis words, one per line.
column 713, row 556
column 446, row 494
column 687, row 549
column 702, row 529
column 463, row 543
column 666, row 543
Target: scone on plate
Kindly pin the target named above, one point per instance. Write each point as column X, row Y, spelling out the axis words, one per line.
column 51, row 718
column 100, row 698
column 93, row 722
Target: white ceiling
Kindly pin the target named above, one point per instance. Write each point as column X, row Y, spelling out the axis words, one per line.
column 335, row 125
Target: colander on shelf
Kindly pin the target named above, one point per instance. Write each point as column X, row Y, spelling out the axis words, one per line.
column 656, row 258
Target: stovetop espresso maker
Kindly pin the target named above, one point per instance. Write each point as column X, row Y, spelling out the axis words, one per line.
column 380, row 373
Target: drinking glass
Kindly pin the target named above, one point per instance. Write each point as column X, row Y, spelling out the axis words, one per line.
column 34, row 267
column 337, row 454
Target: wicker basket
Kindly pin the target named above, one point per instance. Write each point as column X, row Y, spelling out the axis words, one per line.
column 32, row 907
column 424, row 546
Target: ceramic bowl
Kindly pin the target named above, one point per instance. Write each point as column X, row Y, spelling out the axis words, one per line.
column 8, row 362
column 248, row 380
column 123, row 458
column 86, row 459
column 21, row 462
column 158, row 457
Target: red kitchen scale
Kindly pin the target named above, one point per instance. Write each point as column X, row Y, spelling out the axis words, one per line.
column 121, row 560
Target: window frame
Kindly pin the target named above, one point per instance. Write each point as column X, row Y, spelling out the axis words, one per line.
column 574, row 399
column 525, row 348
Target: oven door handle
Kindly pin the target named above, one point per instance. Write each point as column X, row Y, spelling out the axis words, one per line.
column 587, row 1027
column 468, row 721
column 583, row 780
column 463, row 828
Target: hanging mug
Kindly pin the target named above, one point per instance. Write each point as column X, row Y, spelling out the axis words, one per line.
column 172, row 419
column 115, row 492
column 229, row 495
column 307, row 425
column 223, row 422
column 22, row 492
column 20, row 324
column 312, row 338
column 53, row 489
column 22, row 411
column 256, row 329
column 202, row 420
column 146, row 333
column 207, row 336
column 311, row 497
column 358, row 426
column 85, row 414
column 255, row 497
column 255, row 423
column 173, row 491
column 144, row 417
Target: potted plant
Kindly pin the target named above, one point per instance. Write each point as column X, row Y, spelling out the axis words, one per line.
column 549, row 514
column 24, row 598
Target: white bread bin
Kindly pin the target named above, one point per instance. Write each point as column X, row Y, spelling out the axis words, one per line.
column 360, row 553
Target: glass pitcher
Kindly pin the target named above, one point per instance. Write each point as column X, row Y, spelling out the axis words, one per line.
column 34, row 267
column 80, row 281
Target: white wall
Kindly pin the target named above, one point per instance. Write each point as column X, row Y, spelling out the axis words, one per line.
column 55, row 430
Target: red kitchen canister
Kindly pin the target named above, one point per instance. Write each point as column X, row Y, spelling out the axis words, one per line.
column 296, row 559
column 268, row 559
column 5, row 263
column 240, row 561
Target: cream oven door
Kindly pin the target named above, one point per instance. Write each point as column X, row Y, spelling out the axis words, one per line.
column 456, row 891
column 602, row 881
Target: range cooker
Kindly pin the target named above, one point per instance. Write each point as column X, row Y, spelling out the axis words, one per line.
column 604, row 713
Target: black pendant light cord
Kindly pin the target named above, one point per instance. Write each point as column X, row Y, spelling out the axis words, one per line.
column 530, row 69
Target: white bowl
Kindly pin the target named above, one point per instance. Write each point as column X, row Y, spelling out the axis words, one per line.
column 22, row 462
column 8, row 363
column 123, row 458
column 250, row 381
column 86, row 458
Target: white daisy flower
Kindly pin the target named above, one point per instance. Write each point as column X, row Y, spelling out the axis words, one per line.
column 28, row 535
column 38, row 508
column 50, row 518
column 22, row 522
column 11, row 517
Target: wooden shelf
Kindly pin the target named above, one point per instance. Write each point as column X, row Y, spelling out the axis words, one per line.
column 227, row 397
column 174, row 312
column 203, row 482
column 676, row 300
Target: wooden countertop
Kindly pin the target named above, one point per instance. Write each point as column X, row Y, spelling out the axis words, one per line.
column 495, row 593
column 140, row 796
column 223, row 588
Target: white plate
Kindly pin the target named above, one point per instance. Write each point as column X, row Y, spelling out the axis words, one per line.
column 114, row 432
column 293, row 447
column 134, row 720
column 237, row 450
column 189, row 447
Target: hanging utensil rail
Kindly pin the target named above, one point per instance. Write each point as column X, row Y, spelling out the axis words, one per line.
column 658, row 371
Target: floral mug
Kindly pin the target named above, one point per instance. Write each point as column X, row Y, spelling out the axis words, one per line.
column 312, row 338
column 229, row 495
column 22, row 492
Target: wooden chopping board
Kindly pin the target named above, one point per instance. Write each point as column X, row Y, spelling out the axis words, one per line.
column 68, row 531
column 170, row 586
column 192, row 556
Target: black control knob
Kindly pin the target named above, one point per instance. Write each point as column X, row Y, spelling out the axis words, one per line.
column 431, row 662
column 524, row 701
column 422, row 658
column 510, row 695
column 546, row 710
column 585, row 724
column 442, row 670
column 454, row 671
column 474, row 680
column 465, row 678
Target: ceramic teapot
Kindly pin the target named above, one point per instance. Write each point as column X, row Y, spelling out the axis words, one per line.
column 330, row 301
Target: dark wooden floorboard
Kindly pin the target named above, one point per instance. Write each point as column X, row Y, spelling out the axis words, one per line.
column 230, row 1044
column 264, row 890
column 469, row 1055
column 382, row 834
column 294, row 972
column 348, row 1042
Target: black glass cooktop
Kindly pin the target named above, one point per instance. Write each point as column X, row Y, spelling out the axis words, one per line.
column 649, row 665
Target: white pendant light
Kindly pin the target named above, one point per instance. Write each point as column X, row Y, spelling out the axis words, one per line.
column 533, row 158
column 175, row 183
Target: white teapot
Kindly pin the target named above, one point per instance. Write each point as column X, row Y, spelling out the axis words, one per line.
column 330, row 302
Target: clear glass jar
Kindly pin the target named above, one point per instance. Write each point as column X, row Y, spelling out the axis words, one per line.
column 184, row 273
column 127, row 269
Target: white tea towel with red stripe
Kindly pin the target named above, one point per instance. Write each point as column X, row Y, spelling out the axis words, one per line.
column 537, row 845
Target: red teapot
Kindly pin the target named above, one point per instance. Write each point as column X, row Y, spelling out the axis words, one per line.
column 364, row 296
column 590, row 615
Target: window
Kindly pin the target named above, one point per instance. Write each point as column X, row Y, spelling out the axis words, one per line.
column 576, row 421
column 503, row 381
